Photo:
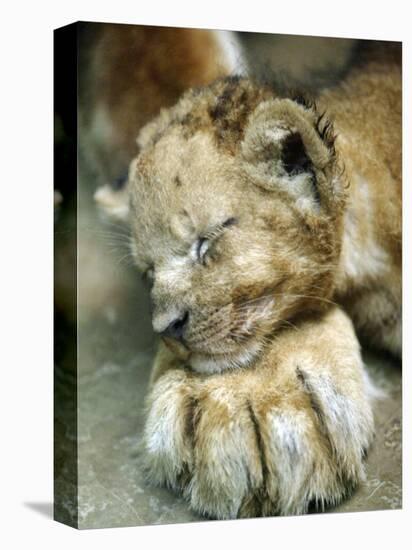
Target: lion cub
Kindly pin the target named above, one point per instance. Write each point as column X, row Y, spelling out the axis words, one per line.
column 253, row 216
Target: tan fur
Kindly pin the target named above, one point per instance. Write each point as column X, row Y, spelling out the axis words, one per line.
column 367, row 116
column 262, row 408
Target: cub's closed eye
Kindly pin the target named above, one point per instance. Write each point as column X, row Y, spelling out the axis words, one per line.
column 202, row 246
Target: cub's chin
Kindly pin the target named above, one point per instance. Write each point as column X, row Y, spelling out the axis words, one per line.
column 209, row 363
column 216, row 363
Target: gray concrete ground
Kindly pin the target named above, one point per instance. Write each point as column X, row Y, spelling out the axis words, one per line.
column 115, row 350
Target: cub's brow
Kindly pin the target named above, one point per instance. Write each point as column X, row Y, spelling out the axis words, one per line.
column 230, row 221
column 227, row 222
column 218, row 228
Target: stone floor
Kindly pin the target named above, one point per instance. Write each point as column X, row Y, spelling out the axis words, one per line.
column 115, row 350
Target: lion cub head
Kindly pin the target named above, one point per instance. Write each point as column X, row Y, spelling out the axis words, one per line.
column 235, row 205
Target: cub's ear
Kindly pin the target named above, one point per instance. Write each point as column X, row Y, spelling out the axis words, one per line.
column 285, row 148
column 113, row 203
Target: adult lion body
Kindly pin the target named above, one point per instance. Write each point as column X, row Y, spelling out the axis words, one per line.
column 253, row 223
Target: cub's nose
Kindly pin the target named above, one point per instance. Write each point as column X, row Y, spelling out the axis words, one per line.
column 177, row 327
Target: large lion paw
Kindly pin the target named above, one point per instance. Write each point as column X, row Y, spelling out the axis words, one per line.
column 242, row 445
